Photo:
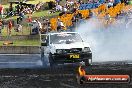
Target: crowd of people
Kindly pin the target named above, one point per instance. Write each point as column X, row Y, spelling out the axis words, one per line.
column 22, row 8
column 35, row 25
column 43, row 25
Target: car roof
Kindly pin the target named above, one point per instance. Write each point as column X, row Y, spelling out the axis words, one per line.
column 61, row 33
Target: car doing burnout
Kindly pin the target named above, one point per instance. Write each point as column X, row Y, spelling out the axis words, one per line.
column 66, row 47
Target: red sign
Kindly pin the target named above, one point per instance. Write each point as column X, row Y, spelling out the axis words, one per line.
column 107, row 78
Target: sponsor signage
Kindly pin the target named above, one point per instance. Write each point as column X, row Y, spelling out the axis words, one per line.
column 107, row 78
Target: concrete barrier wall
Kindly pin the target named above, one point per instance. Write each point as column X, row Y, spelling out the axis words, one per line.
column 19, row 50
column 19, row 37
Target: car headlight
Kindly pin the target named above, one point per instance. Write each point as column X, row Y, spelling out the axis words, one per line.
column 59, row 51
column 86, row 49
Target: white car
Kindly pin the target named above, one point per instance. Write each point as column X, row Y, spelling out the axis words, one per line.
column 66, row 47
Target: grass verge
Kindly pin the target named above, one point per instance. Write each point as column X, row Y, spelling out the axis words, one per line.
column 23, row 43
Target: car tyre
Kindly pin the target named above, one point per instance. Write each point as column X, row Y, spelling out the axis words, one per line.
column 51, row 61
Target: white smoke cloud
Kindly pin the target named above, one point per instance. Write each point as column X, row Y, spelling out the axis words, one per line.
column 113, row 43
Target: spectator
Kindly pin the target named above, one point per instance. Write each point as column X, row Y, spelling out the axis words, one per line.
column 18, row 28
column 76, row 17
column 33, row 7
column 64, row 9
column 110, row 3
column 10, row 7
column 18, row 9
column 74, row 9
column 39, row 25
column 22, row 14
column 34, row 27
column 67, row 7
column 44, row 26
column 70, row 2
column 58, row 7
column 51, row 11
column 60, row 25
column 91, row 13
column 1, row 11
column 48, row 25
column 38, row 6
column 107, row 18
column 1, row 26
column 10, row 27
column 57, row 1
column 29, row 19
column 10, row 13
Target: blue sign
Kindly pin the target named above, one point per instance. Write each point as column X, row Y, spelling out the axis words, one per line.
column 88, row 6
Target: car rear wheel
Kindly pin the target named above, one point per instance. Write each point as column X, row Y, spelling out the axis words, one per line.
column 51, row 61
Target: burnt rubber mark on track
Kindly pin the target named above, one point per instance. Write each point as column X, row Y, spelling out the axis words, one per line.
column 59, row 78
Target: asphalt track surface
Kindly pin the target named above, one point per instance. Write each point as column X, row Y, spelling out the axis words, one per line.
column 20, row 60
column 59, row 77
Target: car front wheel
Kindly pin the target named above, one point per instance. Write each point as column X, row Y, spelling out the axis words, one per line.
column 88, row 62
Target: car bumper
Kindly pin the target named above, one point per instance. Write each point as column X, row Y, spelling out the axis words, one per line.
column 72, row 57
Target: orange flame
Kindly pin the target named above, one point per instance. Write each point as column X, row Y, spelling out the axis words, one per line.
column 81, row 71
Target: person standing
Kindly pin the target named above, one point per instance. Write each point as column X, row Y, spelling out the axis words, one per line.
column 107, row 18
column 1, row 11
column 1, row 26
column 9, row 27
column 58, row 1
column 60, row 25
column 39, row 26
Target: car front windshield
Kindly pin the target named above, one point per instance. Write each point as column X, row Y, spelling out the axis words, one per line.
column 66, row 38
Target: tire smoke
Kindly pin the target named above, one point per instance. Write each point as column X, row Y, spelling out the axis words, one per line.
column 112, row 43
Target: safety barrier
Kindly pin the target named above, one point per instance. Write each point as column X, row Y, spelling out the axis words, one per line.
column 19, row 49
